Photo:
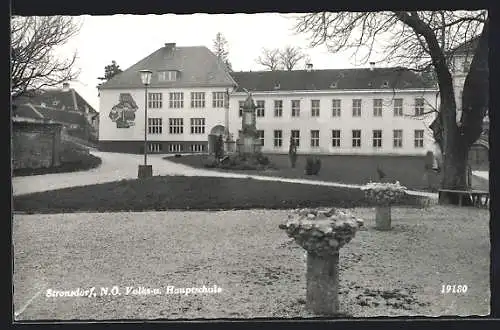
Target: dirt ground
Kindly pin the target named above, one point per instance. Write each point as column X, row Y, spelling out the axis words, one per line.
column 261, row 274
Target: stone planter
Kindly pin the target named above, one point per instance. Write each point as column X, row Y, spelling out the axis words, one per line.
column 383, row 195
column 322, row 232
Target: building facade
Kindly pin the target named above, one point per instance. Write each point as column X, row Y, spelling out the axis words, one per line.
column 460, row 63
column 192, row 98
column 353, row 111
column 186, row 103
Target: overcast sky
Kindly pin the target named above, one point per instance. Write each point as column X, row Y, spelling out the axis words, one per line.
column 129, row 38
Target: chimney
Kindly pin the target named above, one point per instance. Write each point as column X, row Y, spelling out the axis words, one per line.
column 65, row 87
column 170, row 46
column 372, row 66
column 309, row 67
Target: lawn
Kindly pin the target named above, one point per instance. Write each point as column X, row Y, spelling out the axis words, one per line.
column 244, row 253
column 193, row 193
column 409, row 170
column 73, row 158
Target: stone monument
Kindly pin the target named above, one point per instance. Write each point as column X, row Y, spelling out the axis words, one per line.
column 248, row 142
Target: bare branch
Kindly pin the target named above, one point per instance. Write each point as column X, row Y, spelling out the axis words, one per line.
column 33, row 42
column 270, row 59
column 290, row 57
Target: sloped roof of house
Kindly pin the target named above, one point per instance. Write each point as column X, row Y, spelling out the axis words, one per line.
column 59, row 99
column 197, row 67
column 335, row 79
column 28, row 110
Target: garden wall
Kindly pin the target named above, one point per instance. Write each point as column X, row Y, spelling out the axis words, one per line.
column 35, row 145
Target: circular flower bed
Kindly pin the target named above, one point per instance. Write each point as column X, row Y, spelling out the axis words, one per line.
column 384, row 193
column 321, row 231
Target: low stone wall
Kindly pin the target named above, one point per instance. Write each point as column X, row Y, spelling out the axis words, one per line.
column 35, row 145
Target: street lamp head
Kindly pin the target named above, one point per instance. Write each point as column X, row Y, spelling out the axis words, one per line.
column 146, row 76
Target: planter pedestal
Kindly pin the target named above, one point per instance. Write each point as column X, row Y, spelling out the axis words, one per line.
column 322, row 277
column 322, row 233
column 383, row 217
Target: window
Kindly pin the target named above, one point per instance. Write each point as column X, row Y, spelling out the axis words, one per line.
column 336, row 108
column 167, row 75
column 356, row 108
column 218, row 99
column 377, row 107
column 260, row 109
column 336, row 138
column 397, row 138
column 176, row 125
column 175, row 147
column 154, row 126
column 315, row 138
column 260, row 135
column 296, row 137
column 356, row 138
column 154, row 147
column 295, row 108
column 398, row 107
column 197, row 99
column 377, row 138
column 197, row 125
column 240, row 106
column 314, row 108
column 278, row 108
column 278, row 138
column 198, row 147
column 419, row 106
column 155, row 100
column 419, row 138
column 176, row 100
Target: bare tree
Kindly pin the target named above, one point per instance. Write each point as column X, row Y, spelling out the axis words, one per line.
column 420, row 40
column 270, row 59
column 33, row 62
column 290, row 56
column 220, row 49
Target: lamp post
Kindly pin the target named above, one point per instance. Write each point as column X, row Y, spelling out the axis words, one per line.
column 145, row 171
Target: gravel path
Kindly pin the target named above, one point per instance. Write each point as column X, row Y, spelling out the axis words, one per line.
column 243, row 252
column 118, row 166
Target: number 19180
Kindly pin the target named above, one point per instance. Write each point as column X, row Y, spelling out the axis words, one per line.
column 453, row 288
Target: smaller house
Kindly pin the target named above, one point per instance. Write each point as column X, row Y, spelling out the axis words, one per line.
column 64, row 106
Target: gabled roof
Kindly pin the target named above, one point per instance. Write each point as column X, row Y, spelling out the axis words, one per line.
column 197, row 67
column 59, row 99
column 335, row 79
column 38, row 112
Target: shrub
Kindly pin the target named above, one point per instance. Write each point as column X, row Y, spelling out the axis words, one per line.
column 313, row 165
column 177, row 155
column 209, row 162
column 219, row 147
column 292, row 152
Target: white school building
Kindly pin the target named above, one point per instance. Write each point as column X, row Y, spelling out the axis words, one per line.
column 344, row 111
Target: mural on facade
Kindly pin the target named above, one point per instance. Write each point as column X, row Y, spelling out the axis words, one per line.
column 123, row 113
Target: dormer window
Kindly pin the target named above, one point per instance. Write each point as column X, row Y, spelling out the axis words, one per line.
column 55, row 103
column 385, row 83
column 369, row 84
column 333, row 84
column 170, row 75
column 277, row 85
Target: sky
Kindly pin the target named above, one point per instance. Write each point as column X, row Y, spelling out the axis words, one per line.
column 127, row 39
